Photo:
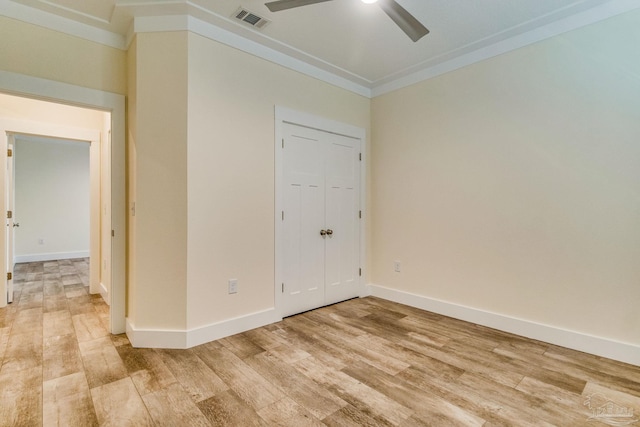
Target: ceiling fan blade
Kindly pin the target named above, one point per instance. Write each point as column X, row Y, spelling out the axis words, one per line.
column 407, row 23
column 276, row 6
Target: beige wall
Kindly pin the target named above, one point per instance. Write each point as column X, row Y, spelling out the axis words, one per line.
column 225, row 88
column 201, row 174
column 231, row 172
column 39, row 52
column 132, row 108
column 509, row 186
column 158, row 174
column 34, row 51
column 105, row 213
column 512, row 185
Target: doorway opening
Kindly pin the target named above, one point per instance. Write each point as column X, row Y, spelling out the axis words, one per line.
column 57, row 185
column 53, row 189
column 109, row 137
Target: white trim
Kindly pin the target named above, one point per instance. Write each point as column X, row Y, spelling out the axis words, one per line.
column 422, row 72
column 29, row 127
column 149, row 24
column 229, row 327
column 61, row 24
column 224, row 31
column 605, row 347
column 363, row 209
column 51, row 256
column 285, row 115
column 183, row 339
column 280, row 114
column 155, row 338
column 104, row 293
column 34, row 87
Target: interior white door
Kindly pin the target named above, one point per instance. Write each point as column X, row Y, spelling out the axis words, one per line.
column 342, row 244
column 320, row 230
column 10, row 221
column 303, row 216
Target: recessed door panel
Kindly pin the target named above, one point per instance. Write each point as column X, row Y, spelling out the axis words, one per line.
column 312, row 263
column 293, row 238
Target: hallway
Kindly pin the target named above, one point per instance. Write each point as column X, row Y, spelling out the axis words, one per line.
column 44, row 336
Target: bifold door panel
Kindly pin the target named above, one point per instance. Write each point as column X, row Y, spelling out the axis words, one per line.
column 321, row 241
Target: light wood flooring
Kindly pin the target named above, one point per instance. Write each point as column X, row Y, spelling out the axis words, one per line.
column 364, row 362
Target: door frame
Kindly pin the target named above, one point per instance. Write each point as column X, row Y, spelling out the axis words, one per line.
column 64, row 93
column 13, row 128
column 288, row 116
column 9, row 200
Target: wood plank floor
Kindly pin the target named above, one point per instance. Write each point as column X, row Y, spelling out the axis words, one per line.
column 364, row 362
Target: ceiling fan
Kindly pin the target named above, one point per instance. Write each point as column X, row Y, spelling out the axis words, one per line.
column 407, row 23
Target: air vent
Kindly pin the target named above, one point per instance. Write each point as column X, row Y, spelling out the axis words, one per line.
column 250, row 18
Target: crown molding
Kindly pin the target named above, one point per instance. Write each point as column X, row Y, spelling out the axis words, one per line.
column 60, row 24
column 422, row 72
column 229, row 38
column 184, row 15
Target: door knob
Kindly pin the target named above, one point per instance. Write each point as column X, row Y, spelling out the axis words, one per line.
column 323, row 232
column 330, row 232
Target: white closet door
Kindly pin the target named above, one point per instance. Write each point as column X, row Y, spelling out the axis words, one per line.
column 304, row 201
column 321, row 234
column 342, row 172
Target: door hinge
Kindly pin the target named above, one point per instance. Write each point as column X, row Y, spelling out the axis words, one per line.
column 283, row 288
column 9, row 152
column 9, row 214
column 360, row 272
column 282, row 142
column 9, row 276
column 360, row 214
column 360, row 156
column 113, row 233
column 283, row 215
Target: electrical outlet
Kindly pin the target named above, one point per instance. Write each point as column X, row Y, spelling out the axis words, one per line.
column 233, row 286
column 396, row 266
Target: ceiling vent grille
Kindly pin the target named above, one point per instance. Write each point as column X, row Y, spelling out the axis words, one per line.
column 250, row 18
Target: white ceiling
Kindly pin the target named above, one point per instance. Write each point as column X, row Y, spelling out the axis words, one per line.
column 353, row 41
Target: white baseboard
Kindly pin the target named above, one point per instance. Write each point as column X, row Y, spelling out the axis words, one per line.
column 51, row 256
column 158, row 338
column 624, row 352
column 104, row 293
column 182, row 339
